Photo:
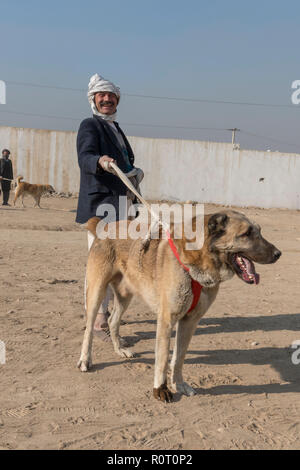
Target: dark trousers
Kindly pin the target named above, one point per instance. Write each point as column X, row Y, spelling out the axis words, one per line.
column 5, row 197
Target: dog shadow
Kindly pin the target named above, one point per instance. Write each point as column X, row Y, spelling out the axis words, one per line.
column 278, row 358
column 286, row 321
column 44, row 209
column 12, row 208
column 137, row 359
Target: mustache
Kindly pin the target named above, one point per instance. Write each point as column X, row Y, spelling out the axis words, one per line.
column 106, row 103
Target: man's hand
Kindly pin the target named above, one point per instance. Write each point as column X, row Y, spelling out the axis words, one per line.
column 103, row 159
column 0, row 177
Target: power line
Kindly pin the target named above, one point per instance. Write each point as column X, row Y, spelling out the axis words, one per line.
column 269, row 138
column 37, row 85
column 172, row 98
column 199, row 100
column 158, row 126
column 124, row 123
column 40, row 115
column 175, row 127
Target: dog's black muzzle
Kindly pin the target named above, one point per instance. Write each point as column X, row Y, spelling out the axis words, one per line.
column 276, row 255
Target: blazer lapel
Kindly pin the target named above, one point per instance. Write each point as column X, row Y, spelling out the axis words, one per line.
column 110, row 133
column 129, row 149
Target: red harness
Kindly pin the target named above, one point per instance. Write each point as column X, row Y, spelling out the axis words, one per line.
column 196, row 286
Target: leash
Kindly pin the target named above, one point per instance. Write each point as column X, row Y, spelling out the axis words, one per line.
column 130, row 186
column 196, row 286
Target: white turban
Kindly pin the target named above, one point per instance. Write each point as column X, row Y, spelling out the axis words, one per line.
column 98, row 84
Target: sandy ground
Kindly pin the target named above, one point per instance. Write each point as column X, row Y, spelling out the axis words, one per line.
column 240, row 359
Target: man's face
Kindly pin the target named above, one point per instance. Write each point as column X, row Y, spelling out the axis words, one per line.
column 106, row 102
column 5, row 155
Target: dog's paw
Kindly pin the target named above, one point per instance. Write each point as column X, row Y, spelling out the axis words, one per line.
column 162, row 393
column 125, row 352
column 183, row 388
column 84, row 366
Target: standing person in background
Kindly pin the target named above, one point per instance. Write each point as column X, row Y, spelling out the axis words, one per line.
column 101, row 140
column 6, row 171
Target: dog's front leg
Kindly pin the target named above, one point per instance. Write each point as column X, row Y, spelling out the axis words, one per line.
column 184, row 332
column 163, row 335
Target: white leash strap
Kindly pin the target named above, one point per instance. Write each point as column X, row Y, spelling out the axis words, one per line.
column 127, row 182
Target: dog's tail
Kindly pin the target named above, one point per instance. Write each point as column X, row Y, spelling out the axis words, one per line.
column 19, row 178
column 92, row 225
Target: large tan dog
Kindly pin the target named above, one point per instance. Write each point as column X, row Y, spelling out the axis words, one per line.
column 231, row 244
column 34, row 190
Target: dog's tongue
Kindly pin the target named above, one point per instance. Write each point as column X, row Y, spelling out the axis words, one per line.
column 248, row 270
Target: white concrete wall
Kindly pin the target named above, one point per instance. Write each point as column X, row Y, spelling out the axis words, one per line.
column 42, row 156
column 177, row 170
column 214, row 172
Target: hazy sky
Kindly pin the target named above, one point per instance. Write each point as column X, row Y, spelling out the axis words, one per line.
column 229, row 50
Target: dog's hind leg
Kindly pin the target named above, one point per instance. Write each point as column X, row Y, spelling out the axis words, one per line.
column 95, row 293
column 184, row 331
column 15, row 198
column 121, row 302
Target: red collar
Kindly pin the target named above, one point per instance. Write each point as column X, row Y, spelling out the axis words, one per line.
column 196, row 286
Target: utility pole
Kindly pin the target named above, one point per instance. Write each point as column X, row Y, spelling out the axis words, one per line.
column 2, row 92
column 234, row 130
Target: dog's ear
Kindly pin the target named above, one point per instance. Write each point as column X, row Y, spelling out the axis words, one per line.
column 217, row 223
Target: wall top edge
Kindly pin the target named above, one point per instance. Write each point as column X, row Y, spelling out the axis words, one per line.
column 164, row 139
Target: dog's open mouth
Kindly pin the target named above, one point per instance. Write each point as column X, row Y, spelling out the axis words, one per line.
column 245, row 269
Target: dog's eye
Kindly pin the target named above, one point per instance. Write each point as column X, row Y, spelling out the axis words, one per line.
column 248, row 233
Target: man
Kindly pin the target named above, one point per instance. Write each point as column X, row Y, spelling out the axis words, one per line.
column 101, row 140
column 6, row 171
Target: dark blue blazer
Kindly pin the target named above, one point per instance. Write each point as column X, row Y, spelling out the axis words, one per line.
column 94, row 139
